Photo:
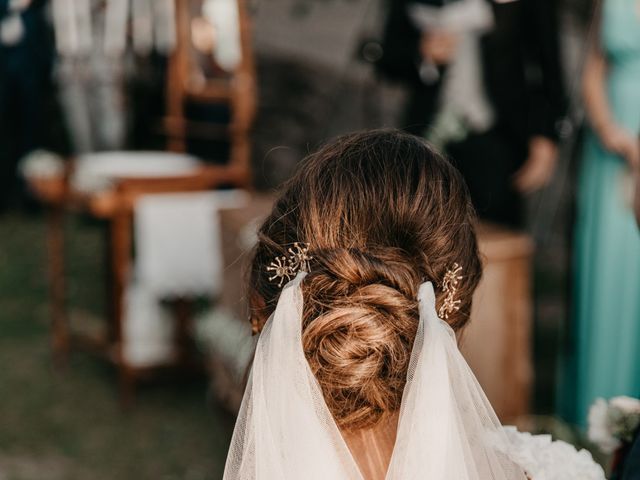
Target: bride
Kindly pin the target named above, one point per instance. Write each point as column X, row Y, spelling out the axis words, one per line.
column 362, row 278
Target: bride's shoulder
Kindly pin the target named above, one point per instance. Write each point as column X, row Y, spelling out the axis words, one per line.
column 546, row 459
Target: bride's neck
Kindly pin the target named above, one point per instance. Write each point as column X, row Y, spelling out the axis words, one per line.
column 372, row 448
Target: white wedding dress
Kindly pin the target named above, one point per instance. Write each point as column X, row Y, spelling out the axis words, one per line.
column 447, row 429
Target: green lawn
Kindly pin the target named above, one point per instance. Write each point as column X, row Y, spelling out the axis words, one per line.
column 67, row 424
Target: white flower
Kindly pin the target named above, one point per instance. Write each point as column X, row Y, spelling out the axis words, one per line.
column 613, row 423
column 600, row 432
column 626, row 404
column 545, row 459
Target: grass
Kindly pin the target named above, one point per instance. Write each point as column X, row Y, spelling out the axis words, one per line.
column 67, row 424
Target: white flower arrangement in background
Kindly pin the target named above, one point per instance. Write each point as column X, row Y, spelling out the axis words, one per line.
column 613, row 423
column 542, row 458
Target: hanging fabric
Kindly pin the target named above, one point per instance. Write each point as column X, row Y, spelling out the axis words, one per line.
column 142, row 26
column 224, row 17
column 164, row 25
column 115, row 33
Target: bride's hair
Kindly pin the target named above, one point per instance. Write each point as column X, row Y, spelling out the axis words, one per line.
column 382, row 212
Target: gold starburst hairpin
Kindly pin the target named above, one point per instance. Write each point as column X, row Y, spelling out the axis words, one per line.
column 284, row 268
column 281, row 270
column 450, row 287
column 299, row 257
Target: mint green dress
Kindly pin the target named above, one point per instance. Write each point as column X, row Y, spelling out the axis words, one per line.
column 604, row 360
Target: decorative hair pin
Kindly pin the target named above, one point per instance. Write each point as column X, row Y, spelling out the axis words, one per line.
column 450, row 287
column 286, row 267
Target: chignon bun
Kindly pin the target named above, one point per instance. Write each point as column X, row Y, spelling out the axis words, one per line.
column 381, row 212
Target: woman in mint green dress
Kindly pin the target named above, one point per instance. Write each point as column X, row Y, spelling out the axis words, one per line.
column 605, row 359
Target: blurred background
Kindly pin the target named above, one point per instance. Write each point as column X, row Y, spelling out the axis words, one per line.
column 142, row 142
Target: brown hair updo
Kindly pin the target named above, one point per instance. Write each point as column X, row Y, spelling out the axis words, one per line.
column 382, row 212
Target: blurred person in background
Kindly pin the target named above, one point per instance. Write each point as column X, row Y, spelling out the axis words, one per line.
column 636, row 203
column 26, row 53
column 627, row 462
column 604, row 360
column 629, row 469
column 507, row 144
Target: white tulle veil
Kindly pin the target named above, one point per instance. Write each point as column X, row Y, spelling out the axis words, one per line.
column 447, row 429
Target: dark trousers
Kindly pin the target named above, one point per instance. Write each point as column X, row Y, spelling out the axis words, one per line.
column 488, row 161
column 629, row 466
column 23, row 97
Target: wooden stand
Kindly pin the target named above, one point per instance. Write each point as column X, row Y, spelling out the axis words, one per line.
column 497, row 343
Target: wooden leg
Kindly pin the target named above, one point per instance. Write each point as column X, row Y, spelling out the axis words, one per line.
column 126, row 384
column 241, row 154
column 120, row 262
column 521, row 338
column 183, row 334
column 55, row 246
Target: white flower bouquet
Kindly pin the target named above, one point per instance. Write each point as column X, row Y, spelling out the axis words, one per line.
column 542, row 458
column 613, row 423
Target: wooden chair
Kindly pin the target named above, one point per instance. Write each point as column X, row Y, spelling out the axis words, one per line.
column 236, row 89
column 116, row 205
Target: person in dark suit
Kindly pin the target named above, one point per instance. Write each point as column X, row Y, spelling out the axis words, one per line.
column 522, row 79
column 26, row 53
column 629, row 466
